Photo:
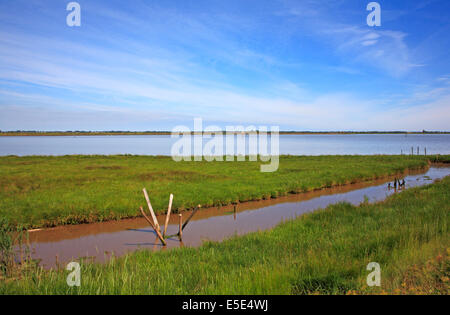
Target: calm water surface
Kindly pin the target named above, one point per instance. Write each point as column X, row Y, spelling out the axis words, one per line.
column 289, row 144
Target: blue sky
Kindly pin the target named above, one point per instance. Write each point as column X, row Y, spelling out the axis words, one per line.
column 152, row 65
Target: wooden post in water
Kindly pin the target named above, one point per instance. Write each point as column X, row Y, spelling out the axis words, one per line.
column 168, row 215
column 412, row 151
column 147, row 218
column 180, row 233
column 417, row 150
column 190, row 217
column 234, row 212
column 158, row 233
column 151, row 210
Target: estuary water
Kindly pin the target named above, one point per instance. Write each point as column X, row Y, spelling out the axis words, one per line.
column 363, row 144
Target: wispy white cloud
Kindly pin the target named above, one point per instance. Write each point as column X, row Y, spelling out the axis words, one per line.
column 130, row 80
column 379, row 47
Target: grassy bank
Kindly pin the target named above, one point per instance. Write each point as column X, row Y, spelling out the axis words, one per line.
column 42, row 191
column 326, row 252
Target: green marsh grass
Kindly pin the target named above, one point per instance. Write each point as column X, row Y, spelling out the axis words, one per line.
column 48, row 191
column 10, row 236
column 45, row 191
column 323, row 252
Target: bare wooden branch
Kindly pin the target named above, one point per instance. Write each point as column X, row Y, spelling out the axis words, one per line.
column 168, row 215
column 147, row 218
column 158, row 233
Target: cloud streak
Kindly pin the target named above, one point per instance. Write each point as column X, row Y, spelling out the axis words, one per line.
column 162, row 66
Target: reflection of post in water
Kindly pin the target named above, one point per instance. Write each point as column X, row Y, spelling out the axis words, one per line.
column 394, row 185
column 397, row 183
column 155, row 242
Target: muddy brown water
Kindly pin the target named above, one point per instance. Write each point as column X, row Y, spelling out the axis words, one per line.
column 98, row 241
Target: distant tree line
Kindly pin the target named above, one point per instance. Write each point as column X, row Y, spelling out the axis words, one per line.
column 156, row 132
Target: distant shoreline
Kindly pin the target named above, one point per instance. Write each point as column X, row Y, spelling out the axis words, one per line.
column 150, row 133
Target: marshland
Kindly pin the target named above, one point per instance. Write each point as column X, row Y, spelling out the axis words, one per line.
column 324, row 252
column 46, row 191
column 224, row 147
column 293, row 253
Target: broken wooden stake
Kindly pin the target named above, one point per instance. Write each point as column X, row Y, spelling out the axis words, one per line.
column 151, row 209
column 190, row 217
column 180, row 233
column 168, row 215
column 158, row 233
column 147, row 218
